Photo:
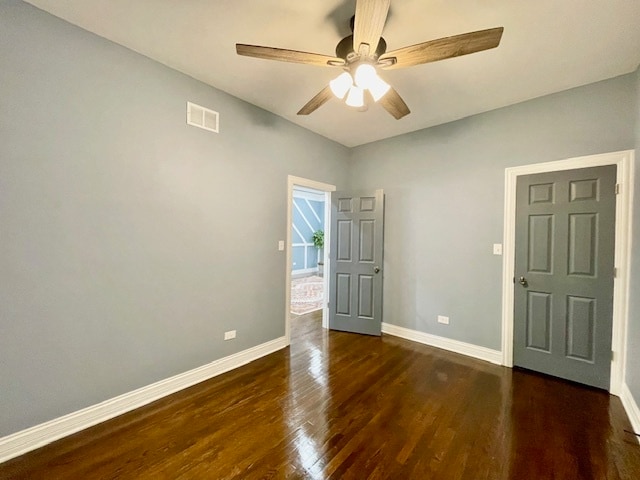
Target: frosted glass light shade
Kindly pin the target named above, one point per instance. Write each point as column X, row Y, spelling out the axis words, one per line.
column 365, row 75
column 355, row 98
column 341, row 84
column 378, row 88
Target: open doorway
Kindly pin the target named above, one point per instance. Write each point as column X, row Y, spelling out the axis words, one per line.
column 307, row 250
column 308, row 210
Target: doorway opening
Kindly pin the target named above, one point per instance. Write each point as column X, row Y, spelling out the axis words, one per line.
column 308, row 234
column 307, row 250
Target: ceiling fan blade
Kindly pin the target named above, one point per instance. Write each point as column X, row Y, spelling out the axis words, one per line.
column 393, row 103
column 316, row 102
column 368, row 25
column 284, row 55
column 442, row 48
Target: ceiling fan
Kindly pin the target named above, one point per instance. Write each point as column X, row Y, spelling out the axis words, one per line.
column 362, row 54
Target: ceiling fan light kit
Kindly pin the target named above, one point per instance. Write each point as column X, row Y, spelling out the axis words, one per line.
column 365, row 75
column 365, row 78
column 361, row 63
column 355, row 98
column 341, row 85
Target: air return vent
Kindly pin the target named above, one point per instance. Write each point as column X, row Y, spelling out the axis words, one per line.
column 202, row 117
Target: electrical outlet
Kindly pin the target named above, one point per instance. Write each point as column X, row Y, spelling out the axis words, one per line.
column 443, row 319
column 497, row 249
column 281, row 245
column 230, row 335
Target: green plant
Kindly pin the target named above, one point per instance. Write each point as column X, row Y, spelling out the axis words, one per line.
column 318, row 239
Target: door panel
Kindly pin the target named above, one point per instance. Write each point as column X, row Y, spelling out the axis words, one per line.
column 582, row 243
column 343, row 289
column 365, row 296
column 541, row 193
column 344, row 240
column 355, row 290
column 540, row 243
column 580, row 327
column 539, row 321
column 565, row 223
column 367, row 243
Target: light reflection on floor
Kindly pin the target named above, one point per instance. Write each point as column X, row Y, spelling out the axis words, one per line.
column 310, row 427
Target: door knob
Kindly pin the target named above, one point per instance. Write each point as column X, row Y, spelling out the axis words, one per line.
column 376, row 269
column 523, row 282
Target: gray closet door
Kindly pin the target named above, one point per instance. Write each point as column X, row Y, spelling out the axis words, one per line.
column 355, row 286
column 564, row 271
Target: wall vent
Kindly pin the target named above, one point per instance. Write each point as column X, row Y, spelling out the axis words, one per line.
column 202, row 117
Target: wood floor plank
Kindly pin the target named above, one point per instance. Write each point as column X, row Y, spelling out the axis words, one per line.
column 340, row 406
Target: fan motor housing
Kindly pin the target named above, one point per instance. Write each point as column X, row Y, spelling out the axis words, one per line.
column 344, row 49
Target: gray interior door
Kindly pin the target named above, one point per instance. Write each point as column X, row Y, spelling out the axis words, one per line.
column 355, row 255
column 564, row 270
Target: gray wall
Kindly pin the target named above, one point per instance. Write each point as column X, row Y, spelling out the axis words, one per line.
column 444, row 191
column 123, row 234
column 633, row 335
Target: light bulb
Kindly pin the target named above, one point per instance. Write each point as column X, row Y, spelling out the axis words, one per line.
column 341, row 84
column 355, row 97
column 365, row 75
column 378, row 88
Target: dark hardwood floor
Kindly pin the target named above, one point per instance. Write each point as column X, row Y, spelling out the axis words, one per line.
column 339, row 405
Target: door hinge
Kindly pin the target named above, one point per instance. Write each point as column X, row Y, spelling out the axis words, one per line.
column 615, row 272
column 617, row 189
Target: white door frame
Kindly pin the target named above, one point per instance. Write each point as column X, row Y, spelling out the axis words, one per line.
column 293, row 181
column 624, row 160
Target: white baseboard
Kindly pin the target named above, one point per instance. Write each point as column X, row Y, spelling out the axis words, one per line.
column 481, row 353
column 26, row 440
column 633, row 411
column 304, row 272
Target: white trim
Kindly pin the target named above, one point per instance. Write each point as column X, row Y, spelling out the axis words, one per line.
column 632, row 409
column 308, row 193
column 37, row 436
column 325, row 258
column 624, row 202
column 303, row 271
column 301, row 236
column 293, row 183
column 313, row 210
column 475, row 351
column 304, row 217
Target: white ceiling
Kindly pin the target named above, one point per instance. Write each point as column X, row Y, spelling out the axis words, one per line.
column 547, row 46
